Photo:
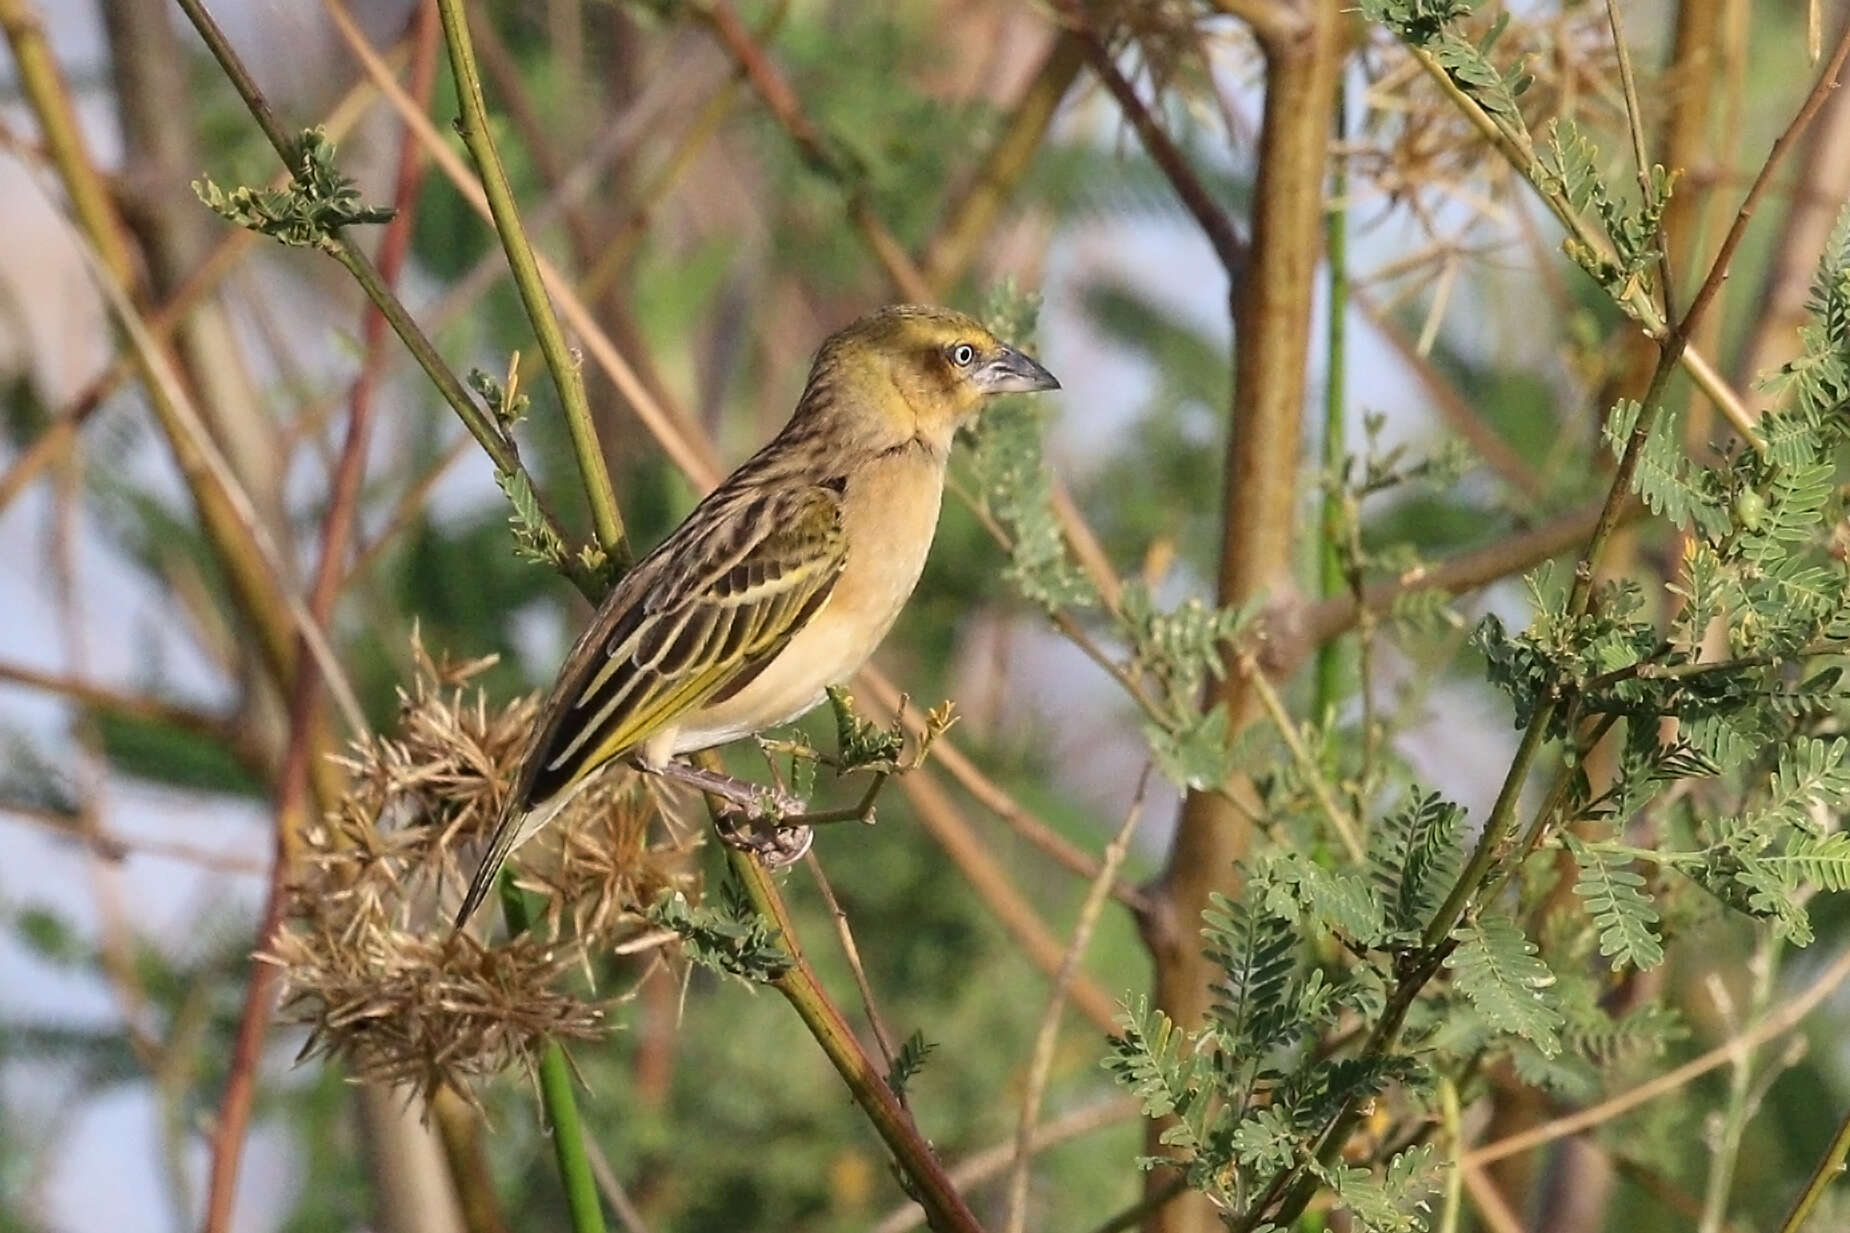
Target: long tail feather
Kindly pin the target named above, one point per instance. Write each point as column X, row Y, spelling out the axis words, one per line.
column 516, row 825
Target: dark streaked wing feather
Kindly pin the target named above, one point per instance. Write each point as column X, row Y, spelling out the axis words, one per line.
column 698, row 617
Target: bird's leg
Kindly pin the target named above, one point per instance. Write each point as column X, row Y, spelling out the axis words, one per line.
column 754, row 800
column 756, row 821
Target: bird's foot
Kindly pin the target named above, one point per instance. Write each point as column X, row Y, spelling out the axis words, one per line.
column 772, row 842
column 755, row 820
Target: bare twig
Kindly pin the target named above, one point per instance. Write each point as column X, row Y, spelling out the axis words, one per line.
column 973, row 213
column 1000, row 895
column 1523, row 158
column 613, row 1191
column 1489, row 1201
column 1782, row 1020
column 991, row 1161
column 1829, row 1166
column 853, row 954
column 1782, row 146
column 1214, row 222
column 356, row 262
column 1040, row 1063
column 890, row 1119
column 782, row 103
column 678, row 438
column 1339, row 818
column 115, row 847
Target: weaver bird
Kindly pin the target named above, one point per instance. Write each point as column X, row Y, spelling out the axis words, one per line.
column 783, row 580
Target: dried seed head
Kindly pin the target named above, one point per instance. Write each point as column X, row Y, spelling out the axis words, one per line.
column 367, row 958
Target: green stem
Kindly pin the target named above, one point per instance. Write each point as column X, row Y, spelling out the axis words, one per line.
column 556, row 1096
column 1330, row 576
column 1828, row 1168
column 494, row 443
column 566, row 376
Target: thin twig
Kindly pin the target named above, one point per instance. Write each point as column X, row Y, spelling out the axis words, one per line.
column 781, row 101
column 493, row 442
column 112, row 846
column 1000, row 895
column 231, row 491
column 253, row 586
column 1829, row 1166
column 1776, row 1024
column 869, row 1088
column 1782, row 146
column 677, row 436
column 614, row 1193
column 1634, row 122
column 991, row 1161
column 1344, row 825
column 1215, row 223
column 853, row 954
column 1040, row 1063
column 973, row 213
column 1489, row 1201
column 1521, row 156
column 1738, row 1109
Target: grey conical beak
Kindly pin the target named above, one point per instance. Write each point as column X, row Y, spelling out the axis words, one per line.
column 1011, row 372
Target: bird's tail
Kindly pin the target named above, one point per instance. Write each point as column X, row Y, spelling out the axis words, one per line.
column 517, row 824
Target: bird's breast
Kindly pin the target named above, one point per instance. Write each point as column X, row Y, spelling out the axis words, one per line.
column 889, row 515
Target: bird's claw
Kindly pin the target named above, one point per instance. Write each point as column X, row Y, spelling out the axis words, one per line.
column 773, row 843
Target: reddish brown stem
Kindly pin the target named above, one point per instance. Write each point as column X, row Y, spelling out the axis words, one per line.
column 305, row 693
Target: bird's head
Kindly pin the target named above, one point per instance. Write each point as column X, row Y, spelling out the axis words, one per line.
column 914, row 373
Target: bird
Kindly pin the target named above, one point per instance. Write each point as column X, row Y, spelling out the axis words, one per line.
column 782, row 581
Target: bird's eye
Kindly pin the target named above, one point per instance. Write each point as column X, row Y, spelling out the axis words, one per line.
column 963, row 355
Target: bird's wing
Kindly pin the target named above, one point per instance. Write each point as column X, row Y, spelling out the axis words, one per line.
column 703, row 613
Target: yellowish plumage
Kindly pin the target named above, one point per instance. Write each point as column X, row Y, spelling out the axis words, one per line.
column 784, row 579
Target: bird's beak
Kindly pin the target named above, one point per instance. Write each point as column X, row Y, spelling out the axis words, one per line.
column 1011, row 372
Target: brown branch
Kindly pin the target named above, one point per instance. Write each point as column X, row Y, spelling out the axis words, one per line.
column 783, row 105
column 133, row 706
column 991, row 1161
column 1467, row 571
column 1818, row 195
column 1782, row 146
column 116, row 848
column 679, row 437
column 1215, row 223
column 305, row 718
column 1271, row 306
column 999, row 894
column 255, row 590
column 1018, row 818
column 805, row 993
column 852, row 952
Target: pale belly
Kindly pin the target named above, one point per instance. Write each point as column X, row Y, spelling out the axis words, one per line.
column 844, row 632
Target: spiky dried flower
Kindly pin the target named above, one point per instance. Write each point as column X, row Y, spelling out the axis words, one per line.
column 367, row 958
